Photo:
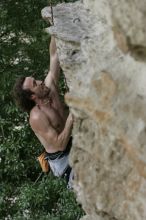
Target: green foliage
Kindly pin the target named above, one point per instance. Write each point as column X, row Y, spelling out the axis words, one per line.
column 24, row 51
column 47, row 199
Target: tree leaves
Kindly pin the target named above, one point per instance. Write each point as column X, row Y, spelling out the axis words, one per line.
column 24, row 51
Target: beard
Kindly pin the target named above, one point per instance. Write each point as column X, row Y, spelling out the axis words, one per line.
column 43, row 92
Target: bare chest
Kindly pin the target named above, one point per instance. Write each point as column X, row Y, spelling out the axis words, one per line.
column 54, row 117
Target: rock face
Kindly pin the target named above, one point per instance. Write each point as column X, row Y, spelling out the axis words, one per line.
column 102, row 51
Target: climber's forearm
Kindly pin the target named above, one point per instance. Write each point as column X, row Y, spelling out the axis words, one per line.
column 54, row 72
column 54, row 61
column 52, row 48
column 64, row 137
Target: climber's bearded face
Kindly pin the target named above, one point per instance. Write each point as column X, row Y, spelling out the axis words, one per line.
column 37, row 87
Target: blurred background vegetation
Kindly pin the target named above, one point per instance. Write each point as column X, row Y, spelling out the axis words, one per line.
column 24, row 50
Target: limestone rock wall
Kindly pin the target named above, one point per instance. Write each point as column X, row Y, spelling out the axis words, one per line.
column 102, row 50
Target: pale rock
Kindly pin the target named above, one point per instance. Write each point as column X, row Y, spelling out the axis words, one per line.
column 102, row 51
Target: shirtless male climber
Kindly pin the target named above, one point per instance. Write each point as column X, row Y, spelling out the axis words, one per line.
column 47, row 116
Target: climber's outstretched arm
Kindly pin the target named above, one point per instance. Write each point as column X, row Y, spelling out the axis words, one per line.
column 54, row 72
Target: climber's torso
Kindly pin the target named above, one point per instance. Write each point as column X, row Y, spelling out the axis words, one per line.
column 48, row 117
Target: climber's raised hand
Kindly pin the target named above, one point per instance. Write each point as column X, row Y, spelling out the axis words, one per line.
column 47, row 14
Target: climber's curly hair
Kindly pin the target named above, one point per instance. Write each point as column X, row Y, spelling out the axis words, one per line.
column 22, row 96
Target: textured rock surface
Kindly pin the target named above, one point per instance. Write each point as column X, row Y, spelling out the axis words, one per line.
column 102, row 50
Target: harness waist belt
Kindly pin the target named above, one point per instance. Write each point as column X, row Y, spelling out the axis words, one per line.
column 60, row 154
